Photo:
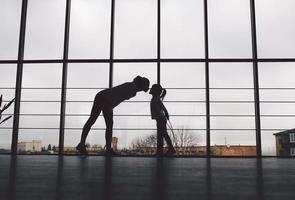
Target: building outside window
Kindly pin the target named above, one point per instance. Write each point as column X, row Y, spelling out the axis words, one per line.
column 292, row 137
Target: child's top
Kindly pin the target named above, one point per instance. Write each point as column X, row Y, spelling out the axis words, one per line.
column 158, row 109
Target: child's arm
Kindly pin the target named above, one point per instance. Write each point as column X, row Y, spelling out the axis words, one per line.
column 165, row 111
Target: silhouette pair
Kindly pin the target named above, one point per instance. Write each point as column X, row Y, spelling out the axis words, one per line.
column 106, row 100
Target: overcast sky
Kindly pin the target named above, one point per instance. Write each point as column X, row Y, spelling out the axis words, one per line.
column 182, row 36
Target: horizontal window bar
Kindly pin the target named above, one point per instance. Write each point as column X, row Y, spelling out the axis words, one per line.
column 147, row 129
column 150, row 60
column 137, row 115
column 94, row 88
column 190, row 88
column 32, row 101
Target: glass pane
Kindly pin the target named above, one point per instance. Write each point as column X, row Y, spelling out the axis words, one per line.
column 136, row 29
column 95, row 140
column 6, row 138
column 231, row 75
column 182, row 29
column 90, row 29
column 232, row 109
column 231, row 94
column 7, row 81
column 38, row 141
column 229, row 29
column 183, row 75
column 268, row 143
column 185, row 101
column 275, row 32
column 126, row 72
column 277, row 105
column 7, row 89
column 9, row 34
column 233, row 143
column 84, row 81
column 141, row 142
column 88, row 75
column 40, row 108
column 45, row 29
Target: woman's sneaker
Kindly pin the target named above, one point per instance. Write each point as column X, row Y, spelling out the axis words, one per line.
column 170, row 152
column 82, row 149
column 111, row 152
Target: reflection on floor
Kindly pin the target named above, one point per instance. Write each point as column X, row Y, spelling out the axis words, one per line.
column 74, row 177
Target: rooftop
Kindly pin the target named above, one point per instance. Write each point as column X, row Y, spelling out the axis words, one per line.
column 286, row 132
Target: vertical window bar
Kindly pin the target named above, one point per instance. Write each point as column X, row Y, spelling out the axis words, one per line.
column 207, row 78
column 19, row 76
column 64, row 78
column 112, row 43
column 255, row 78
column 159, row 42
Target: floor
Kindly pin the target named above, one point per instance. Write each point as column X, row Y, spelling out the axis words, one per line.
column 96, row 177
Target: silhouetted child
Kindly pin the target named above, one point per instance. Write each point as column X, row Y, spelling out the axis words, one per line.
column 105, row 101
column 160, row 114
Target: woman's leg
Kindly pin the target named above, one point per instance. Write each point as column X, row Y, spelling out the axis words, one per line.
column 95, row 111
column 108, row 117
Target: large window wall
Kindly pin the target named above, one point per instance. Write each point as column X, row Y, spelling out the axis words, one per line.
column 227, row 66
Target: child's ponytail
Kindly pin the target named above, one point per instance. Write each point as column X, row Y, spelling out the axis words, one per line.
column 163, row 94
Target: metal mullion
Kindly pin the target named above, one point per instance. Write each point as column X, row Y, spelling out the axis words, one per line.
column 206, row 39
column 43, row 61
column 159, row 42
column 112, row 31
column 255, row 78
column 64, row 78
column 8, row 62
column 19, row 76
column 275, row 59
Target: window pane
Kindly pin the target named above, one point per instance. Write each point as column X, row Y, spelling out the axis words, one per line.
column 37, row 141
column 40, row 107
column 268, row 143
column 90, row 29
column 232, row 108
column 126, row 72
column 84, row 81
column 7, row 80
column 185, row 101
column 95, row 139
column 183, row 75
column 9, row 9
column 7, row 89
column 277, row 105
column 5, row 142
column 45, row 29
column 233, row 143
column 229, row 28
column 136, row 29
column 275, row 30
column 182, row 29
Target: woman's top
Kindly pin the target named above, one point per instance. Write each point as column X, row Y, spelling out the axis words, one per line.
column 114, row 96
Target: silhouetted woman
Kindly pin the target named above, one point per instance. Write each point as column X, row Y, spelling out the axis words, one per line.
column 161, row 115
column 105, row 101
